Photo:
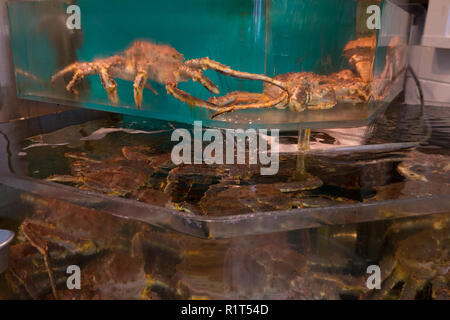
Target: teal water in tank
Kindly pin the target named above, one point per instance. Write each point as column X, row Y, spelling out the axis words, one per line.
column 258, row 36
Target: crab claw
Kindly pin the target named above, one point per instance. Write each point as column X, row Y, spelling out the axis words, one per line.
column 71, row 68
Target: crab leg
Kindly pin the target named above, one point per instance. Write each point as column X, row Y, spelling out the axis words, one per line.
column 69, row 68
column 237, row 97
column 280, row 100
column 190, row 70
column 63, row 179
column 206, row 63
column 84, row 69
column 184, row 74
column 366, row 96
column 42, row 247
column 78, row 76
column 440, row 288
column 28, row 75
column 109, row 84
column 81, row 70
column 410, row 288
column 149, row 86
column 139, row 83
column 198, row 76
column 172, row 89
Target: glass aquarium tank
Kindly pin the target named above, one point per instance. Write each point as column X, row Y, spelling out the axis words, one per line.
column 96, row 188
column 90, row 190
column 259, row 63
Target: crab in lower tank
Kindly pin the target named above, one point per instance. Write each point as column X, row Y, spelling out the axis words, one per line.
column 142, row 173
column 118, row 258
column 417, row 264
column 164, row 264
column 136, row 173
column 57, row 234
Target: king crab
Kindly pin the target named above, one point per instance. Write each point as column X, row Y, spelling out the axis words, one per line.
column 62, row 232
column 143, row 61
column 299, row 91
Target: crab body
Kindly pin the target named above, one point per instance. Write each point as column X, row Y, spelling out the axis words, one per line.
column 420, row 260
column 418, row 265
column 299, row 91
column 313, row 91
